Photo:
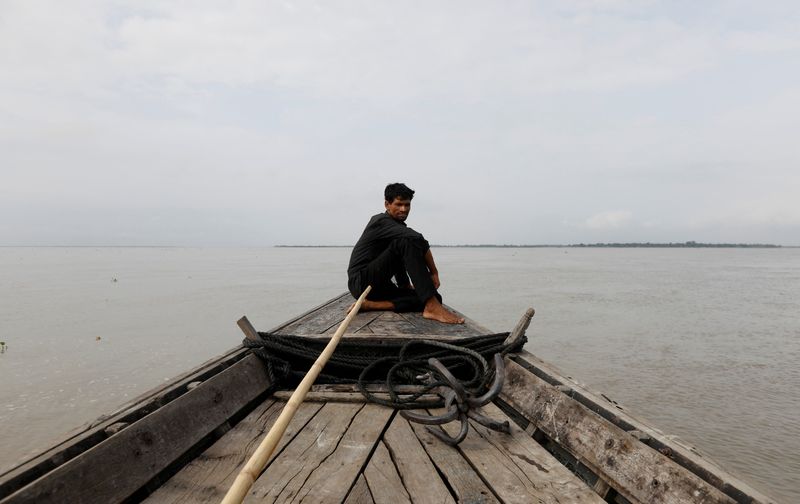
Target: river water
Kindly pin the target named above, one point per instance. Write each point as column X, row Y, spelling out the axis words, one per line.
column 702, row 343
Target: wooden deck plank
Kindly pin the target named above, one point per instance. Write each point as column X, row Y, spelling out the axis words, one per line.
column 461, row 477
column 116, row 468
column 383, row 479
column 360, row 323
column 349, row 397
column 322, row 319
column 83, row 438
column 317, row 441
column 415, row 467
column 636, row 471
column 680, row 451
column 207, row 478
column 325, row 458
column 367, row 333
column 392, row 323
column 425, row 326
column 360, row 493
column 332, row 480
column 518, row 468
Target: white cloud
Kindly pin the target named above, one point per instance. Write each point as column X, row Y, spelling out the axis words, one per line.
column 540, row 112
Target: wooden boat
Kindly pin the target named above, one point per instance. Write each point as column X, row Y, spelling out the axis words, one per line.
column 187, row 440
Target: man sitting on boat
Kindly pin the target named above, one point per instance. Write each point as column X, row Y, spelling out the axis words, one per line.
column 388, row 248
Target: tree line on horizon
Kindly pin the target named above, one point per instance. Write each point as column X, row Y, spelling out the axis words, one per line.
column 688, row 244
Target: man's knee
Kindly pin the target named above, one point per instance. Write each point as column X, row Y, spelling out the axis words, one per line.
column 406, row 245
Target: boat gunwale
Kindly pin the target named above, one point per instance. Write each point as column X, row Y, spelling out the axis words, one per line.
column 641, row 431
column 81, row 439
column 609, row 411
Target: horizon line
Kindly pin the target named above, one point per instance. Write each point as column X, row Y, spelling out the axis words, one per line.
column 688, row 244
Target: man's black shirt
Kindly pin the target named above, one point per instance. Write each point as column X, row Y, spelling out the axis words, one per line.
column 380, row 231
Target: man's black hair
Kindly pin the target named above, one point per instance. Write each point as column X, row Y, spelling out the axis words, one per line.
column 396, row 190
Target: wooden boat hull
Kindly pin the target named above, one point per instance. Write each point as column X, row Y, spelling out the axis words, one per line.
column 185, row 441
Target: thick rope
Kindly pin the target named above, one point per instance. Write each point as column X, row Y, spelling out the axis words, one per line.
column 363, row 362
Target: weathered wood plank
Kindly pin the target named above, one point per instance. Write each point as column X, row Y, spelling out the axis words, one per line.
column 85, row 437
column 473, row 326
column 426, row 326
column 248, row 329
column 116, row 468
column 469, row 327
column 311, row 313
column 685, row 455
column 360, row 322
column 319, row 438
column 322, row 319
column 366, row 331
column 331, row 481
column 348, row 397
column 325, row 318
column 518, row 468
column 636, row 471
column 360, row 493
column 417, row 471
column 383, row 479
column 392, row 323
column 518, row 332
column 324, row 460
column 372, row 387
column 461, row 477
column 207, row 478
column 365, row 334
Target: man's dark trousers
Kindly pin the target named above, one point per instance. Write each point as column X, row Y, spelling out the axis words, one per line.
column 403, row 258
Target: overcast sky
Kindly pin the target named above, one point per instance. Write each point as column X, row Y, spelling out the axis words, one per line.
column 260, row 123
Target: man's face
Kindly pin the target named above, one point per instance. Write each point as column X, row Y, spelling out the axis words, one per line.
column 398, row 208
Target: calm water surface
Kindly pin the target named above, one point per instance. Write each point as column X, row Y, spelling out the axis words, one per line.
column 703, row 343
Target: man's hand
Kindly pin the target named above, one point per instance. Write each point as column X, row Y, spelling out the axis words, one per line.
column 432, row 268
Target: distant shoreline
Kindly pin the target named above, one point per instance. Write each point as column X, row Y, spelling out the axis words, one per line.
column 689, row 244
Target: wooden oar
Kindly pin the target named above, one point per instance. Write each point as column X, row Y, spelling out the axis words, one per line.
column 247, row 476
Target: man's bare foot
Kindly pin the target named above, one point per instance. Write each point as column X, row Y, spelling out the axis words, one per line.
column 368, row 305
column 435, row 311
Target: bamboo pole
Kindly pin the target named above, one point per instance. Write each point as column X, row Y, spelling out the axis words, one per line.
column 248, row 475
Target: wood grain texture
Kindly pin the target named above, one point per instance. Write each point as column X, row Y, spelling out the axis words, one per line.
column 683, row 453
column 360, row 493
column 115, row 469
column 87, row 436
column 383, row 479
column 425, row 326
column 207, row 478
column 392, row 323
column 461, row 477
column 319, row 438
column 350, row 397
column 366, row 334
column 518, row 468
column 361, row 322
column 337, row 473
column 322, row 319
column 636, row 471
column 324, row 460
column 418, row 473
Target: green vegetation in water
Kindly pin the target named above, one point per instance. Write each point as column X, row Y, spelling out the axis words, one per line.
column 3, row 347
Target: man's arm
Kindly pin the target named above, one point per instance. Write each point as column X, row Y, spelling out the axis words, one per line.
column 432, row 268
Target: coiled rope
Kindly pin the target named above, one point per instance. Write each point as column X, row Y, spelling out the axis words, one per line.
column 393, row 363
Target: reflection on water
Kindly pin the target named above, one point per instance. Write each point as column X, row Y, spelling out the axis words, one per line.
column 701, row 342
